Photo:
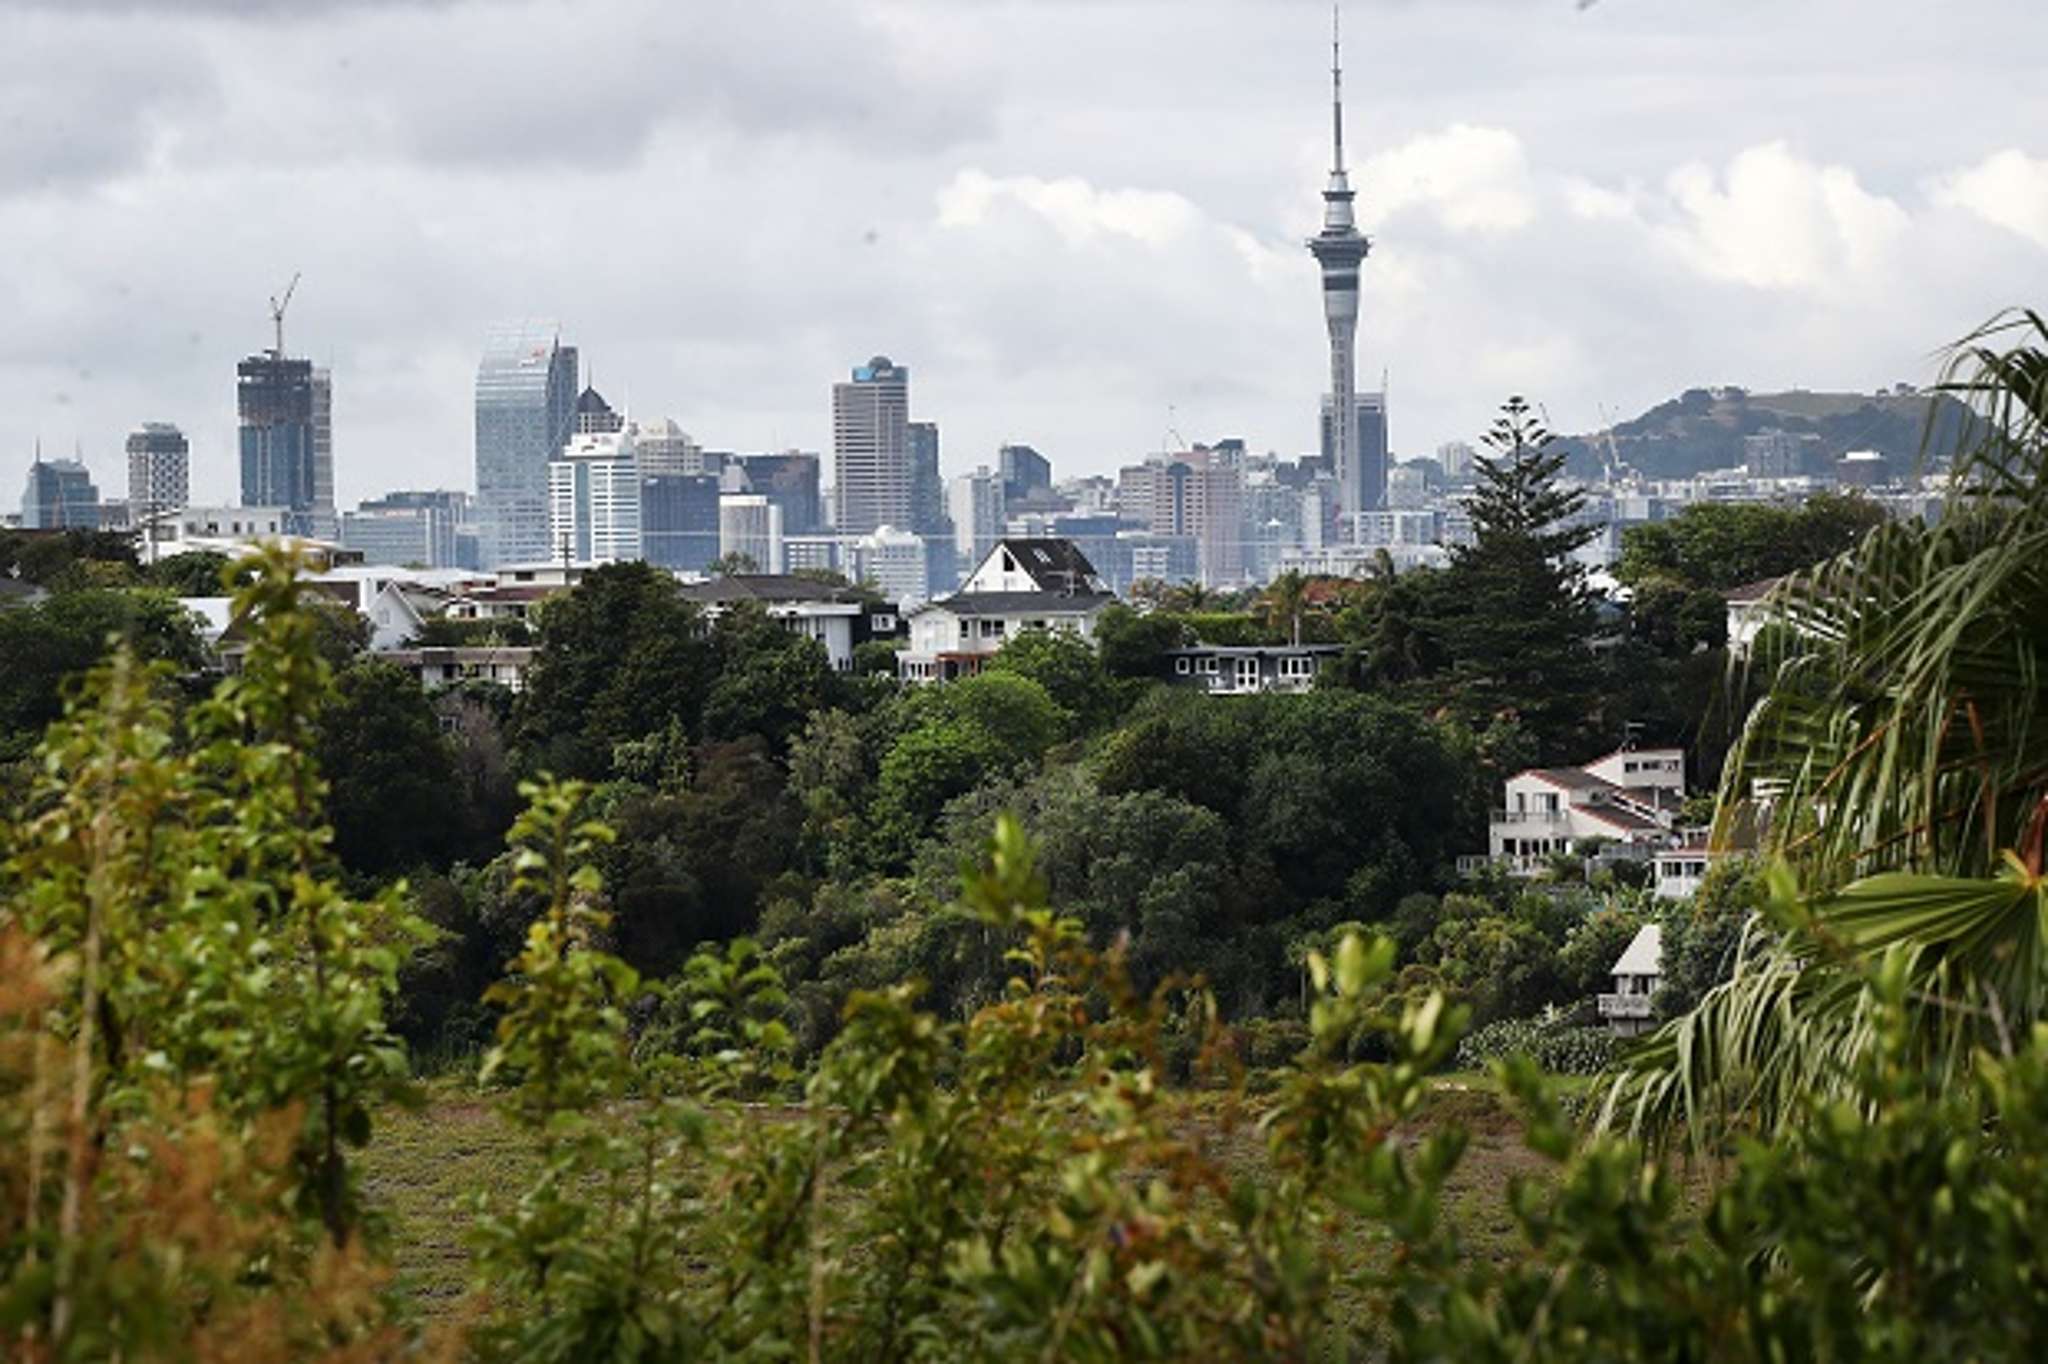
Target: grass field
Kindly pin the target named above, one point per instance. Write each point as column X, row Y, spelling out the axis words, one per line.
column 425, row 1168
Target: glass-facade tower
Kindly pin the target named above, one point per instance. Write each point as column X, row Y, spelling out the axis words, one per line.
column 525, row 414
column 275, row 402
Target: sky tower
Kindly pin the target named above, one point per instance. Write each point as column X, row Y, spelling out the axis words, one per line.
column 1339, row 249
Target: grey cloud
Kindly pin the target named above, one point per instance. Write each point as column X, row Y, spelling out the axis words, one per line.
column 205, row 9
column 728, row 205
column 73, row 113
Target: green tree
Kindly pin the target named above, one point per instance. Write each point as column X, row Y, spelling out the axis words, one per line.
column 769, row 678
column 1284, row 602
column 1069, row 670
column 393, row 795
column 230, row 1005
column 69, row 560
column 68, row 633
column 196, row 573
column 1716, row 546
column 1134, row 644
column 620, row 656
column 1513, row 613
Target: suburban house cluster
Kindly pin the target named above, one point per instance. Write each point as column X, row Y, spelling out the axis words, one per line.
column 1623, row 807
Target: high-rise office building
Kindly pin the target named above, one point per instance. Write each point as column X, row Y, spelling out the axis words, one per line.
column 927, row 487
column 1456, row 456
column 1025, row 473
column 1368, row 443
column 1340, row 248
column 60, row 496
column 594, row 499
column 274, row 398
column 408, row 527
column 749, row 525
column 679, row 520
column 665, row 448
column 928, row 517
column 322, row 522
column 525, row 414
column 976, row 502
column 1199, row 495
column 790, row 481
column 159, row 470
column 871, row 447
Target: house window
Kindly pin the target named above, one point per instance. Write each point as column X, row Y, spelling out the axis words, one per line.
column 1209, row 666
column 1297, row 667
column 1181, row 666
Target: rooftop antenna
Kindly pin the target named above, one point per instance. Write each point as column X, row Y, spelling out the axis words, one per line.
column 1337, row 83
column 277, row 307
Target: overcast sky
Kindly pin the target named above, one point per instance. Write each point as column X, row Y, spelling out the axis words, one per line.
column 1078, row 222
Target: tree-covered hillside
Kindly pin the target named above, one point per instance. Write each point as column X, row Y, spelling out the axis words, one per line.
column 1703, row 429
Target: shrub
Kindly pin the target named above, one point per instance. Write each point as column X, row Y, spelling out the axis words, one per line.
column 1551, row 1040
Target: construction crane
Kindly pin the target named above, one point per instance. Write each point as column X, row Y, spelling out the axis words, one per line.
column 277, row 307
column 1614, row 464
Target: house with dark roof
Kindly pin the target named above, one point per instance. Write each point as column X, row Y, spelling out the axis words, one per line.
column 1023, row 583
column 1627, row 803
column 837, row 617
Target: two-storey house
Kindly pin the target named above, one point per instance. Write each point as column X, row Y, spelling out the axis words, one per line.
column 1021, row 584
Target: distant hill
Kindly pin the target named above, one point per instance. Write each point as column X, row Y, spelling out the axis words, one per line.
column 1703, row 429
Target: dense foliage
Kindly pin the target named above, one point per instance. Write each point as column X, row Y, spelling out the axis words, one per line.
column 813, row 1050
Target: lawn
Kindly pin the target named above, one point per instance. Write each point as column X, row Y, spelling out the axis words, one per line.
column 424, row 1169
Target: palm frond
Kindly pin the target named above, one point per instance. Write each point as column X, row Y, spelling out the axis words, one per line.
column 1901, row 756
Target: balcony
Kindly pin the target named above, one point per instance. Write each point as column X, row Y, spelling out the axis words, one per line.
column 1624, row 1006
column 1551, row 817
column 1515, row 864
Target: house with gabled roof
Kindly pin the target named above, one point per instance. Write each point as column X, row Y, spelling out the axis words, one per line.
column 1021, row 584
column 1628, row 802
column 1638, row 974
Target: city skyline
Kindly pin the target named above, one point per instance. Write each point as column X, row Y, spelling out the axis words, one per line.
column 1060, row 251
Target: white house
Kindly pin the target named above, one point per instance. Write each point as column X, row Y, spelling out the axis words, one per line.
column 1749, row 608
column 836, row 617
column 1021, row 584
column 1238, row 670
column 1629, row 799
column 439, row 667
column 1637, row 975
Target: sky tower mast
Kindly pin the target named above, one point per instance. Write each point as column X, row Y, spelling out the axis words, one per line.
column 1339, row 249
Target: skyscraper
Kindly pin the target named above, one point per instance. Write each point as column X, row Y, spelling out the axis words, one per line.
column 1199, row 495
column 322, row 522
column 679, row 520
column 159, row 470
column 927, row 488
column 525, row 414
column 977, row 506
column 60, row 495
column 1024, row 472
column 408, row 527
column 871, row 447
column 790, row 481
column 1339, row 249
column 928, row 518
column 274, row 401
column 594, row 499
